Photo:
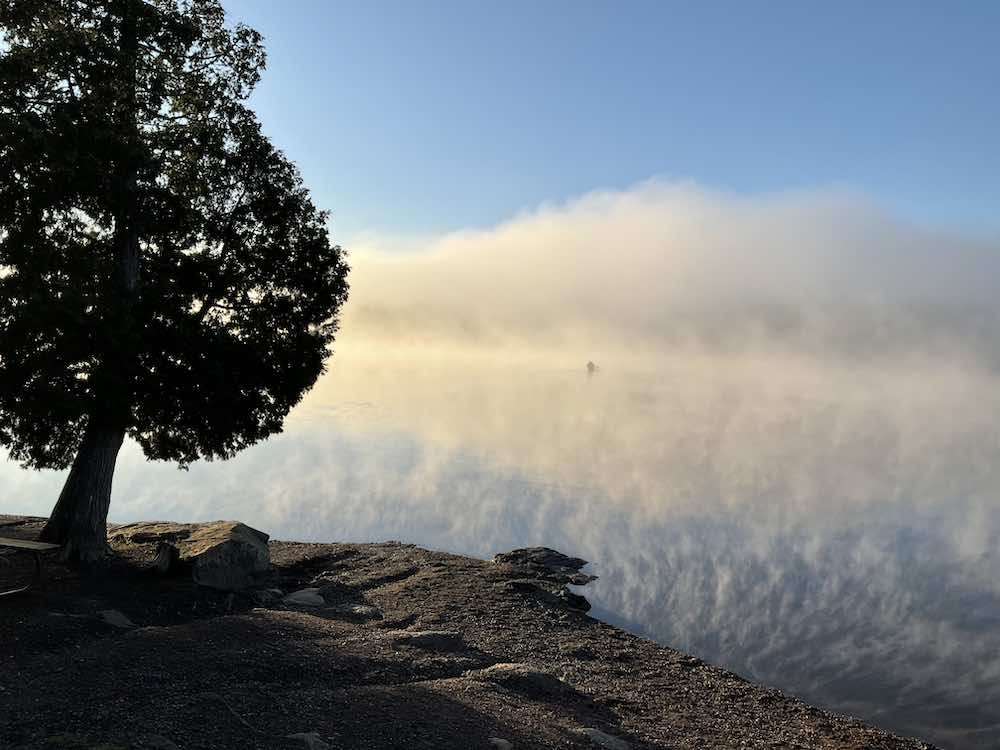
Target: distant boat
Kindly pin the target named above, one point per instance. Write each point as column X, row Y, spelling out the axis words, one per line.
column 592, row 368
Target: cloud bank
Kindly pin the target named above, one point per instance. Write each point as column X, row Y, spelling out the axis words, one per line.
column 667, row 265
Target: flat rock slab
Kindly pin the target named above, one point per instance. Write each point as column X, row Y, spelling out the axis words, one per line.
column 226, row 555
column 546, row 564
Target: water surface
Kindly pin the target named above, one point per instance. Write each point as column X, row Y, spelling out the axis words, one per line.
column 830, row 531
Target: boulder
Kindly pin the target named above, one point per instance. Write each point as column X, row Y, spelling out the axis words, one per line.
column 225, row 555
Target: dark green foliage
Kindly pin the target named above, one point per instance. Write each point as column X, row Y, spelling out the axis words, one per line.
column 162, row 266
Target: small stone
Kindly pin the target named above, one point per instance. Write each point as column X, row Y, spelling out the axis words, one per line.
column 521, row 678
column 311, row 740
column 431, row 640
column 351, row 610
column 305, row 598
column 576, row 651
column 605, row 740
column 116, row 619
column 158, row 742
column 500, row 744
column 528, row 585
column 365, row 611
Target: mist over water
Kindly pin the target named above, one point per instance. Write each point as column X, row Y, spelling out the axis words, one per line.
column 788, row 463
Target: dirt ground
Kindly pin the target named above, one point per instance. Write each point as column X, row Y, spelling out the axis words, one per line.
column 410, row 649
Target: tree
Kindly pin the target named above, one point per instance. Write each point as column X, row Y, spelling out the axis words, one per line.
column 164, row 273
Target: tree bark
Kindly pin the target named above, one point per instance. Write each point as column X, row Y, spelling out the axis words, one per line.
column 79, row 521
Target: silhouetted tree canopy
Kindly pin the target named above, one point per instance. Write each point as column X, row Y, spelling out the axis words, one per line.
column 162, row 267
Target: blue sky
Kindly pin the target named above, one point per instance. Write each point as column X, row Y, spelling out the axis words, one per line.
column 423, row 117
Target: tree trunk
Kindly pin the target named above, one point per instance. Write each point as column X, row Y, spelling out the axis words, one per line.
column 79, row 521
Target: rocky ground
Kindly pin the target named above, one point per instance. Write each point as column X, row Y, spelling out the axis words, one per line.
column 362, row 646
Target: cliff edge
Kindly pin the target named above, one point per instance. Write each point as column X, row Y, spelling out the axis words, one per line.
column 339, row 646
